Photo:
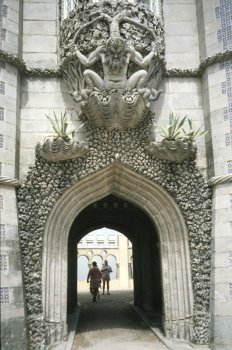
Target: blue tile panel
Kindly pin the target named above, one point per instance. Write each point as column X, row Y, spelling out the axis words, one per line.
column 4, row 295
column 223, row 14
column 229, row 165
column 230, row 259
column 3, row 262
column 2, row 232
column 230, row 290
column 226, row 90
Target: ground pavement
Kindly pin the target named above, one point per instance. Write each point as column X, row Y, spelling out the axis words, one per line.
column 112, row 324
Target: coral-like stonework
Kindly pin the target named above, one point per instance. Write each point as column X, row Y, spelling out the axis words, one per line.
column 47, row 181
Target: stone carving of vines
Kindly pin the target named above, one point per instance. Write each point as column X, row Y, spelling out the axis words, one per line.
column 98, row 33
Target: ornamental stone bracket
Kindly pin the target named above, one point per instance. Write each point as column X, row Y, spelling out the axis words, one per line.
column 58, row 149
column 173, row 150
column 112, row 62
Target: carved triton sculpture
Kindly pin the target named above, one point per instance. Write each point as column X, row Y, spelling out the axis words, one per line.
column 115, row 100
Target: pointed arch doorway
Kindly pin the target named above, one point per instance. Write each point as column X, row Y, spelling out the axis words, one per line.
column 118, row 214
column 165, row 217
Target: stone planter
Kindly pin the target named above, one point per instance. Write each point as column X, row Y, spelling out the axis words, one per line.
column 56, row 150
column 173, row 150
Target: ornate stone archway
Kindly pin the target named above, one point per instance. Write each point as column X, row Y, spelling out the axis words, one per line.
column 174, row 249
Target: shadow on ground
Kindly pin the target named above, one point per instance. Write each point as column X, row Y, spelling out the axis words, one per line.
column 111, row 323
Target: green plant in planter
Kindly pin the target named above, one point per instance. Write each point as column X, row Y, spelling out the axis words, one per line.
column 61, row 126
column 173, row 131
column 191, row 134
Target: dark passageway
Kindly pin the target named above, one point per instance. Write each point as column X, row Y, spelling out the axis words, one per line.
column 115, row 213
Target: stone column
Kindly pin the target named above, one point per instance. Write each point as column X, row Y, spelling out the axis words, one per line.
column 221, row 277
column 214, row 26
column 13, row 324
column 123, row 260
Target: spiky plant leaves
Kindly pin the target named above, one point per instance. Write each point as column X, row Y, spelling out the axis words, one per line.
column 61, row 127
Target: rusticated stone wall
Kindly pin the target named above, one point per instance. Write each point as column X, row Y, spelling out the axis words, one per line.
column 47, row 181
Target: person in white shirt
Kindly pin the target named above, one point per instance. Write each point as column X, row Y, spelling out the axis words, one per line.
column 105, row 270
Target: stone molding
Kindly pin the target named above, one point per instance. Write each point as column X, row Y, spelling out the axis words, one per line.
column 7, row 181
column 219, row 180
column 58, row 72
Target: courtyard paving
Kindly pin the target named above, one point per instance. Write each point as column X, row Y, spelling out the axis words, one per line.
column 111, row 323
column 114, row 323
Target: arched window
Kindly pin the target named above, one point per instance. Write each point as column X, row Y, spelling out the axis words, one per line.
column 82, row 268
column 98, row 260
column 112, row 262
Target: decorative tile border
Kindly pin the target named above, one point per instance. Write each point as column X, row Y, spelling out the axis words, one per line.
column 230, row 259
column 223, row 14
column 2, row 232
column 4, row 295
column 1, row 141
column 2, row 114
column 229, row 166
column 1, row 201
column 226, row 90
column 3, row 262
column 230, row 291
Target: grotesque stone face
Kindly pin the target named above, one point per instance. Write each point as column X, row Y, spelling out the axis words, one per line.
column 116, row 52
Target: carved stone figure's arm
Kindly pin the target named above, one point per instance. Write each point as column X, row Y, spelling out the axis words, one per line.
column 137, row 58
column 87, row 61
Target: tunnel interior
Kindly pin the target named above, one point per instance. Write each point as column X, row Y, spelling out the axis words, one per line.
column 118, row 214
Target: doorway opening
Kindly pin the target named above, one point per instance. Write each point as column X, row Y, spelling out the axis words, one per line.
column 154, row 225
column 114, row 213
column 105, row 244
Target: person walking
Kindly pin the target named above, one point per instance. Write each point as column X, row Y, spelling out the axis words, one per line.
column 94, row 275
column 106, row 270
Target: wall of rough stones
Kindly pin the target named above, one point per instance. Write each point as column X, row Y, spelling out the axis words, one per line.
column 46, row 182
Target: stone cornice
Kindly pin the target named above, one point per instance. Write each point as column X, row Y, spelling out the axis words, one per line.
column 7, row 181
column 25, row 71
column 205, row 63
column 219, row 180
column 175, row 72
